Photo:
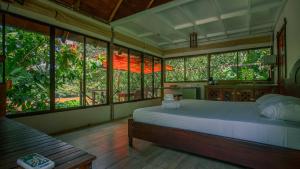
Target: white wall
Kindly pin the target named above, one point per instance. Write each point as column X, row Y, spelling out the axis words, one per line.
column 67, row 120
column 187, row 84
column 291, row 12
column 126, row 109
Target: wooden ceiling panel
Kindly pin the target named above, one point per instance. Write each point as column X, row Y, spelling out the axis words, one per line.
column 104, row 9
column 68, row 3
column 159, row 2
column 129, row 7
column 99, row 8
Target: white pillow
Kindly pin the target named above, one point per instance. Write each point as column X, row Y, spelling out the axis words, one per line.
column 290, row 112
column 266, row 97
column 270, row 111
column 278, row 99
column 285, row 108
column 270, row 101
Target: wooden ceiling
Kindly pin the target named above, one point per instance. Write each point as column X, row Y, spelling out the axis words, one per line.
column 110, row 10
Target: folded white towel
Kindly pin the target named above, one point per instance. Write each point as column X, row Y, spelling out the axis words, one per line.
column 169, row 97
column 169, row 104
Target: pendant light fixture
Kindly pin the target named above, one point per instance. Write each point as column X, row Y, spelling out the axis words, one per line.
column 193, row 39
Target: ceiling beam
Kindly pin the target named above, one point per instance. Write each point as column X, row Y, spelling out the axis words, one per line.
column 189, row 18
column 249, row 17
column 168, row 23
column 229, row 15
column 134, row 35
column 237, row 30
column 218, row 8
column 234, row 14
column 163, row 43
column 112, row 15
column 266, row 6
column 267, row 25
column 149, row 4
column 207, row 20
column 154, row 32
column 183, row 26
column 179, row 40
column 146, row 34
column 155, row 10
column 216, row 34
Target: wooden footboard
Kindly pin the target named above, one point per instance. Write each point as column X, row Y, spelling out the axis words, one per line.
column 239, row 152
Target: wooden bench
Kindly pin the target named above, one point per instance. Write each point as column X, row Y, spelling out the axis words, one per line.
column 17, row 140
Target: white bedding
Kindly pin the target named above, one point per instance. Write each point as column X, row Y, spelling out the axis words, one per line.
column 241, row 120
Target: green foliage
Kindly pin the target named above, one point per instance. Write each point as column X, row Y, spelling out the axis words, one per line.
column 148, row 80
column 157, row 78
column 96, row 74
column 177, row 74
column 250, row 64
column 223, row 66
column 68, row 71
column 67, row 104
column 242, row 65
column 27, row 66
column 120, row 84
column 196, row 68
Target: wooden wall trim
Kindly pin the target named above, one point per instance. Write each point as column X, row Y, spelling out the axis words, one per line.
column 225, row 44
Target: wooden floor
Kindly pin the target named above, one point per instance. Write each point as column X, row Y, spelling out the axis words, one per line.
column 109, row 142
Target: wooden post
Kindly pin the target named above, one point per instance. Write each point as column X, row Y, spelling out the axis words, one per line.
column 2, row 100
column 110, row 75
column 94, row 97
column 130, row 128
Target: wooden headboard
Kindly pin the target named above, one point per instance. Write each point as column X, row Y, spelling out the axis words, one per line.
column 292, row 85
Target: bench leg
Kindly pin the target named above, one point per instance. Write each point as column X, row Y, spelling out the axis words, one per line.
column 130, row 127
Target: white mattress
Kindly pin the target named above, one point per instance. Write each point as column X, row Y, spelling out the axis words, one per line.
column 240, row 120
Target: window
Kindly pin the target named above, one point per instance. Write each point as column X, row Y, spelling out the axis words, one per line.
column 238, row 65
column 1, row 34
column 157, row 77
column 27, row 65
column 250, row 64
column 135, row 75
column 223, row 66
column 120, row 74
column 148, row 76
column 176, row 73
column 1, row 51
column 196, row 68
column 80, row 69
column 96, row 72
column 69, row 58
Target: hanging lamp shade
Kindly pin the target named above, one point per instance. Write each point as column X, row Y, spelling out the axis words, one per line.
column 193, row 40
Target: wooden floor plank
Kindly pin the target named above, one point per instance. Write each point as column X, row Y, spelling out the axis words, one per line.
column 109, row 142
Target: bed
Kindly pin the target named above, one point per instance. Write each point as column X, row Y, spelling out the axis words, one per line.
column 242, row 137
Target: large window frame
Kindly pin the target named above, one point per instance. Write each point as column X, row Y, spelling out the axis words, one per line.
column 209, row 66
column 2, row 47
column 53, row 109
column 143, row 54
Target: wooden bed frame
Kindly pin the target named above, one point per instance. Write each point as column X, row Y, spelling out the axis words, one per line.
column 239, row 152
